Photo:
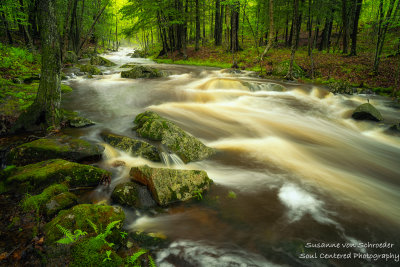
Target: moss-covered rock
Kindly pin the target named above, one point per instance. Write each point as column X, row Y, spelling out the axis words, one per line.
column 66, row 89
column 138, row 53
column 141, row 72
column 101, row 61
column 283, row 67
column 126, row 194
column 60, row 202
column 128, row 66
column 35, row 177
column 394, row 129
column 92, row 252
column 136, row 148
column 341, row 87
column 152, row 126
column 170, row 185
column 38, row 202
column 63, row 147
column 81, row 216
column 80, row 122
column 367, row 111
column 149, row 240
column 90, row 69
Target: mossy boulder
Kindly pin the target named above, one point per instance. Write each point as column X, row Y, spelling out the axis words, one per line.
column 171, row 185
column 53, row 199
column 81, row 216
column 90, row 69
column 154, row 127
column 138, row 54
column 80, row 122
column 283, row 67
column 128, row 66
column 141, row 72
column 35, row 177
column 101, row 61
column 394, row 129
column 136, row 148
column 126, row 194
column 92, row 252
column 63, row 147
column 66, row 89
column 367, row 111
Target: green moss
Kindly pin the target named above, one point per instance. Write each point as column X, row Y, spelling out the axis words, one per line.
column 58, row 147
column 136, row 148
column 65, row 88
column 90, row 69
column 141, row 72
column 98, row 60
column 126, row 194
column 34, row 177
column 151, row 126
column 60, row 202
column 282, row 69
column 37, row 202
column 76, row 218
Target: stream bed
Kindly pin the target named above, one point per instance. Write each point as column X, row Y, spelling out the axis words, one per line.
column 297, row 181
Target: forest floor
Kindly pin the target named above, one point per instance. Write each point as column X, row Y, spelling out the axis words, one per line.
column 328, row 67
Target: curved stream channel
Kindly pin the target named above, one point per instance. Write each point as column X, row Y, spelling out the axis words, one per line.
column 292, row 167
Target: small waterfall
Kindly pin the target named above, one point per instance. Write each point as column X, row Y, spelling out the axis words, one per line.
column 171, row 159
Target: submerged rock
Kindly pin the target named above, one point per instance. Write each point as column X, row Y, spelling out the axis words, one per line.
column 152, row 126
column 170, row 185
column 141, row 72
column 35, row 177
column 63, row 147
column 136, row 148
column 367, row 111
column 80, row 122
column 394, row 129
column 81, row 217
column 132, row 194
column 101, row 61
column 138, row 54
column 128, row 65
column 90, row 69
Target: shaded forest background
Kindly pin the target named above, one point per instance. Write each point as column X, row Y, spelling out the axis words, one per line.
column 355, row 42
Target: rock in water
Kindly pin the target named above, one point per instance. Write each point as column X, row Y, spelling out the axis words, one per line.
column 152, row 126
column 63, row 147
column 34, row 177
column 90, row 69
column 141, row 72
column 136, row 148
column 80, row 216
column 367, row 111
column 132, row 194
column 282, row 69
column 101, row 61
column 170, row 185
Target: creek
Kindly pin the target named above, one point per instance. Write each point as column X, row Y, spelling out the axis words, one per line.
column 292, row 166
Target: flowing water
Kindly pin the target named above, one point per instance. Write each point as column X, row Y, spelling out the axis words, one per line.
column 292, row 167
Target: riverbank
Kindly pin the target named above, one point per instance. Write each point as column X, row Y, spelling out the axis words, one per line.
column 329, row 68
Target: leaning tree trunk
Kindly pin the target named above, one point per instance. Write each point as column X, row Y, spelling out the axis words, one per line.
column 44, row 112
column 271, row 29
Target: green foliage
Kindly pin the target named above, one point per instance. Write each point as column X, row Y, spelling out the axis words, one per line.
column 37, row 202
column 69, row 237
column 232, row 195
column 134, row 258
column 198, row 194
column 123, row 234
column 108, row 253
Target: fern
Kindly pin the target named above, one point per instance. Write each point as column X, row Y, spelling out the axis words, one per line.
column 151, row 261
column 132, row 259
column 108, row 252
column 93, row 226
column 69, row 237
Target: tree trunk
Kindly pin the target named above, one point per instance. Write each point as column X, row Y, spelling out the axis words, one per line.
column 197, row 40
column 346, row 26
column 289, row 75
column 235, row 27
column 7, row 29
column 271, row 29
column 45, row 109
column 353, row 51
column 218, row 23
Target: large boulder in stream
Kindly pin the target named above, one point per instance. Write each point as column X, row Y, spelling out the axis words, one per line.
column 154, row 127
column 83, row 217
column 142, row 72
column 282, row 69
column 132, row 194
column 63, row 147
column 136, row 148
column 367, row 111
column 90, row 69
column 101, row 61
column 35, row 177
column 170, row 185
